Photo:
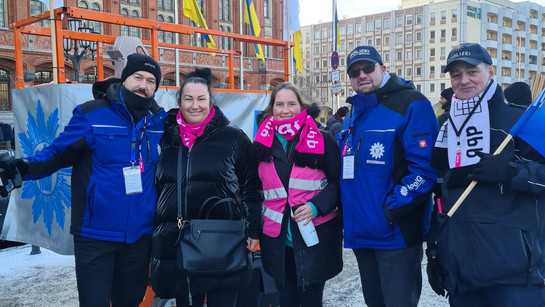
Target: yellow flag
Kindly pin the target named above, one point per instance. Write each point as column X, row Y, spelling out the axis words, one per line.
column 250, row 17
column 192, row 11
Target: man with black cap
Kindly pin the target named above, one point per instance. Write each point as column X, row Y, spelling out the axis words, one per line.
column 386, row 180
column 490, row 251
column 112, row 144
column 519, row 94
column 446, row 97
column 335, row 122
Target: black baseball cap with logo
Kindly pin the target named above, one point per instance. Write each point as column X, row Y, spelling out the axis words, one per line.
column 471, row 53
column 363, row 53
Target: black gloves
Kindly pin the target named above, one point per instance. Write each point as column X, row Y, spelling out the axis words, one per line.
column 9, row 165
column 493, row 169
column 436, row 275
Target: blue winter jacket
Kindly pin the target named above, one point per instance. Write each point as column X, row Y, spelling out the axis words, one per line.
column 97, row 143
column 390, row 132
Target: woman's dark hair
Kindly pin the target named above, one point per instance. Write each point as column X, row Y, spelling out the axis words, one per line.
column 200, row 76
column 287, row 86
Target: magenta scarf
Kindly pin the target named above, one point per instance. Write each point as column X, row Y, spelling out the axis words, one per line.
column 188, row 132
column 311, row 140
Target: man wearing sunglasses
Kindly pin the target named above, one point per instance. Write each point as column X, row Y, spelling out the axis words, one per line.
column 386, row 182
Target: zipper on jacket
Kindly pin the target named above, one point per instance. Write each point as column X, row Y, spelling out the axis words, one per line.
column 186, row 180
column 357, row 152
column 91, row 202
column 147, row 149
column 299, row 253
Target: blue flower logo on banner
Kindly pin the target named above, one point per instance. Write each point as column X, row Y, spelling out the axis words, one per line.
column 51, row 194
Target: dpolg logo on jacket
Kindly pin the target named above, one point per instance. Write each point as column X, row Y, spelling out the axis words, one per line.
column 51, row 194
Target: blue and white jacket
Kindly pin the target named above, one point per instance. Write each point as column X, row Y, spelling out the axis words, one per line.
column 97, row 143
column 390, row 133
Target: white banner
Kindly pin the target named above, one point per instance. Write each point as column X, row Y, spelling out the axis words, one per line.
column 39, row 212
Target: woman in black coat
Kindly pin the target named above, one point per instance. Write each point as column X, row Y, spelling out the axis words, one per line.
column 299, row 167
column 215, row 165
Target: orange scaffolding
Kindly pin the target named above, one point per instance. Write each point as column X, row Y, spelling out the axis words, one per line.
column 25, row 27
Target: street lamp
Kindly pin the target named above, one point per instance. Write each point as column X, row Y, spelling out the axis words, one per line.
column 77, row 58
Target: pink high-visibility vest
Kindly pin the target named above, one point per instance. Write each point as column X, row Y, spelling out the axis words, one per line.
column 304, row 184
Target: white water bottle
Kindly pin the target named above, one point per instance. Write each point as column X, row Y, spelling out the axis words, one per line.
column 308, row 232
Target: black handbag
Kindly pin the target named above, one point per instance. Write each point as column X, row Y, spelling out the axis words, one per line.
column 209, row 246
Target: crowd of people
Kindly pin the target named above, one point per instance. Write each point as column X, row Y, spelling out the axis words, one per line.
column 382, row 178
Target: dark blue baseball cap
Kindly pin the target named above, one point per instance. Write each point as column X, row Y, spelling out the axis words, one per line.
column 473, row 54
column 363, row 53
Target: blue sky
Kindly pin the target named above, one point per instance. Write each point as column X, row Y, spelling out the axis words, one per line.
column 316, row 11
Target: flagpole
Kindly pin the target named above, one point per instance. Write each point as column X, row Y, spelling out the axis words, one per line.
column 241, row 81
column 177, row 41
column 53, row 41
column 472, row 185
column 288, row 37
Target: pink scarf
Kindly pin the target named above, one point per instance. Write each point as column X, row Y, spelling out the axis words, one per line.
column 189, row 132
column 311, row 140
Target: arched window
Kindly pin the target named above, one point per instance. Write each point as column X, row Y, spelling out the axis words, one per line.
column 160, row 34
column 124, row 29
column 5, row 103
column 96, row 25
column 266, row 12
column 37, row 8
column 83, row 5
column 3, row 14
column 221, row 38
column 134, row 31
column 169, row 35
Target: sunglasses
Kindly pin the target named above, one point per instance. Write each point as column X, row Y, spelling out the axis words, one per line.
column 354, row 73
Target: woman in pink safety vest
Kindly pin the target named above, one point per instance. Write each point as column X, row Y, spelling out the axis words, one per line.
column 299, row 168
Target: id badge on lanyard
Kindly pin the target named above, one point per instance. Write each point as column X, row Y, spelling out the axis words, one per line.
column 133, row 174
column 133, row 180
column 348, row 159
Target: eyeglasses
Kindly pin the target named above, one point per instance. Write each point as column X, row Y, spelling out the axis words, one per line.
column 354, row 73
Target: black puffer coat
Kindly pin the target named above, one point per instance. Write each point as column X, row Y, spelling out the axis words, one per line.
column 217, row 165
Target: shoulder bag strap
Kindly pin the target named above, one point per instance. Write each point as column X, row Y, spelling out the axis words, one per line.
column 179, row 186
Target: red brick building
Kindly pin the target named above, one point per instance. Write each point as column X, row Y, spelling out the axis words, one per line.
column 222, row 15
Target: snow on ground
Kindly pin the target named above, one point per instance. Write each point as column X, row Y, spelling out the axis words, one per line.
column 48, row 279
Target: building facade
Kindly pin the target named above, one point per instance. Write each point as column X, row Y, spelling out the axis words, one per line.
column 415, row 40
column 223, row 15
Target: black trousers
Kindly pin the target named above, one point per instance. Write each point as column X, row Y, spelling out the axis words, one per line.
column 111, row 272
column 215, row 298
column 293, row 296
column 391, row 277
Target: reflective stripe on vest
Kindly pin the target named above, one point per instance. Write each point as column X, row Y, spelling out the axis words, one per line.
column 275, row 193
column 304, row 184
column 307, row 185
column 273, row 215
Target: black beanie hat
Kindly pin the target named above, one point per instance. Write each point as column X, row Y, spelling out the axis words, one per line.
column 519, row 93
column 447, row 93
column 342, row 111
column 137, row 62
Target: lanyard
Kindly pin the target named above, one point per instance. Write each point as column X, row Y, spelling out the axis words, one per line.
column 133, row 145
column 347, row 150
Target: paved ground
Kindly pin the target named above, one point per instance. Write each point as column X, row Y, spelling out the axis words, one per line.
column 48, row 279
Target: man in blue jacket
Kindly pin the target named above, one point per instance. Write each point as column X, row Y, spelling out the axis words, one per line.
column 112, row 144
column 490, row 251
column 386, row 181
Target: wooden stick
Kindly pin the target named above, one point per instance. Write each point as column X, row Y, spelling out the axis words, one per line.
column 470, row 187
